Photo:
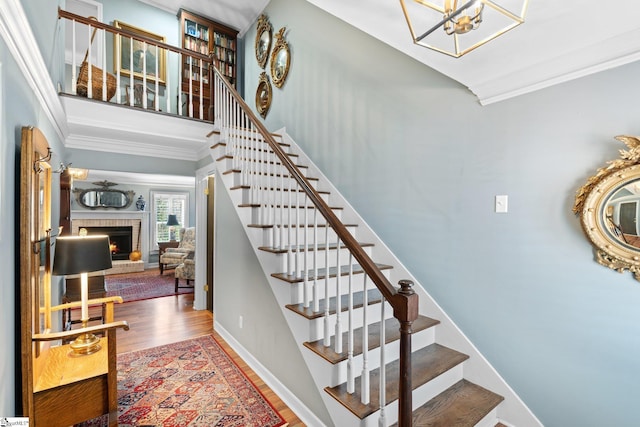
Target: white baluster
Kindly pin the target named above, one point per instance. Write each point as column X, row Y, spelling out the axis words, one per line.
column 316, row 284
column 350, row 369
column 305, row 271
column 364, row 377
column 104, row 66
column 338, row 326
column 327, row 336
column 74, row 78
column 383, row 372
column 89, row 70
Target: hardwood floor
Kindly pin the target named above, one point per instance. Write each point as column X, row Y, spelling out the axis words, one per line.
column 160, row 321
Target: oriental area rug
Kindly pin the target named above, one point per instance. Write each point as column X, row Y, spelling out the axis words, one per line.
column 191, row 383
column 143, row 285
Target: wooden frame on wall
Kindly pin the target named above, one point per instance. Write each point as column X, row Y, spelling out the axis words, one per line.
column 122, row 59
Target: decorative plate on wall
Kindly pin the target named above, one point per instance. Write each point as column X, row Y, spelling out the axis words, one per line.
column 263, row 40
column 280, row 59
column 263, row 95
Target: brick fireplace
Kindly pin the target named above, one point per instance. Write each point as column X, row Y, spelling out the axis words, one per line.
column 106, row 222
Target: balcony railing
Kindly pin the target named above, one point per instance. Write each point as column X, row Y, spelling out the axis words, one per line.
column 141, row 72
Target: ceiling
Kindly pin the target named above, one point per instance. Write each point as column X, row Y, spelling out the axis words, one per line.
column 559, row 41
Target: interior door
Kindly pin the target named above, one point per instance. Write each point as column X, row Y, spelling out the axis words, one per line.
column 210, row 241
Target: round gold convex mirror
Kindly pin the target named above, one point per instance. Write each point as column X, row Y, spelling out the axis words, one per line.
column 280, row 59
column 263, row 40
column 263, row 95
column 609, row 209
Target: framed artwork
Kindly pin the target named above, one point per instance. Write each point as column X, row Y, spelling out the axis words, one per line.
column 134, row 54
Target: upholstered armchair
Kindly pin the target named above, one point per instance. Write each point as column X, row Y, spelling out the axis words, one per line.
column 175, row 256
column 186, row 271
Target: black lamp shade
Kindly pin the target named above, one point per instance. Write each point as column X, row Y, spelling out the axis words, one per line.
column 74, row 255
column 172, row 220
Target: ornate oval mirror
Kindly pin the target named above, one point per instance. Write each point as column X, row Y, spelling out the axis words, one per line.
column 609, row 209
column 263, row 40
column 280, row 59
column 103, row 197
column 263, row 95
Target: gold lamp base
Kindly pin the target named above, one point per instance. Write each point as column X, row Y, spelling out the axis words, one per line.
column 85, row 344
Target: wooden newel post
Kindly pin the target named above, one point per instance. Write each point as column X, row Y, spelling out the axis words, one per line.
column 407, row 315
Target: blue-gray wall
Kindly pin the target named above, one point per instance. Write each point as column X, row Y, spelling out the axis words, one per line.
column 18, row 107
column 421, row 161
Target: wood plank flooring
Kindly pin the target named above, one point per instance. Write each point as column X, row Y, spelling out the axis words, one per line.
column 160, row 321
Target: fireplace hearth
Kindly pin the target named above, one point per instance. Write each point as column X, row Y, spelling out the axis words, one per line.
column 120, row 240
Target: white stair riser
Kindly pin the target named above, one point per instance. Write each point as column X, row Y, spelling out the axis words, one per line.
column 268, row 238
column 228, row 163
column 251, row 196
column 391, row 351
column 357, row 285
column 420, row 396
column 280, row 215
column 313, row 259
column 269, row 181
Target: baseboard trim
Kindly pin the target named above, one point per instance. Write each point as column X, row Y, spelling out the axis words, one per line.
column 300, row 409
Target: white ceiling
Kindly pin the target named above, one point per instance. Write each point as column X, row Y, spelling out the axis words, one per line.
column 559, row 41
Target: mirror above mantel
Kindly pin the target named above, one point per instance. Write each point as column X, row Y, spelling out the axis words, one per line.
column 103, row 196
column 608, row 205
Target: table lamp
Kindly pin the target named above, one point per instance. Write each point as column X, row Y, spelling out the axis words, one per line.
column 172, row 221
column 81, row 255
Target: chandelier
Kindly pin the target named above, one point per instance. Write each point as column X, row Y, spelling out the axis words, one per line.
column 457, row 27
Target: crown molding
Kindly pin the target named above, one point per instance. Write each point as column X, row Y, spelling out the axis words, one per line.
column 17, row 34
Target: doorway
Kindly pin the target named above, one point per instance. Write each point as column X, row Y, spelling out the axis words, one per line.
column 210, row 240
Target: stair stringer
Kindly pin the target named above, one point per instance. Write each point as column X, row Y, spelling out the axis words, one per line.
column 511, row 411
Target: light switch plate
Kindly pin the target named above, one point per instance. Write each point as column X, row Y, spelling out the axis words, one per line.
column 502, row 203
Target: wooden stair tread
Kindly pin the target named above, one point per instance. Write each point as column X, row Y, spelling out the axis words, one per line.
column 392, row 333
column 277, row 175
column 463, row 404
column 322, row 272
column 270, row 206
column 247, row 187
column 322, row 225
column 224, row 144
column 426, row 364
column 228, row 156
column 309, row 248
column 373, row 297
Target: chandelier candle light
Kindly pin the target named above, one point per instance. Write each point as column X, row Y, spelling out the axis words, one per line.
column 457, row 27
column 81, row 255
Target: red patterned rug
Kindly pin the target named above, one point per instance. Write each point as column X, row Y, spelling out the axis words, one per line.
column 143, row 285
column 191, row 383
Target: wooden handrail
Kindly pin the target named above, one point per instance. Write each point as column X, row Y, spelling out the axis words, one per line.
column 404, row 301
column 110, row 28
column 209, row 59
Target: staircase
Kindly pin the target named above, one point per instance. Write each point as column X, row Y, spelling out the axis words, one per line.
column 334, row 303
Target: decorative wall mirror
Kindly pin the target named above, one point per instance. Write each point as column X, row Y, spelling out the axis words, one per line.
column 103, row 197
column 263, row 40
column 280, row 59
column 609, row 209
column 263, row 95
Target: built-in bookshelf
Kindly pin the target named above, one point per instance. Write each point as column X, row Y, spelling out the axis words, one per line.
column 205, row 36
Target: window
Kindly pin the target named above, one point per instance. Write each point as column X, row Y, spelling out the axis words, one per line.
column 165, row 203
